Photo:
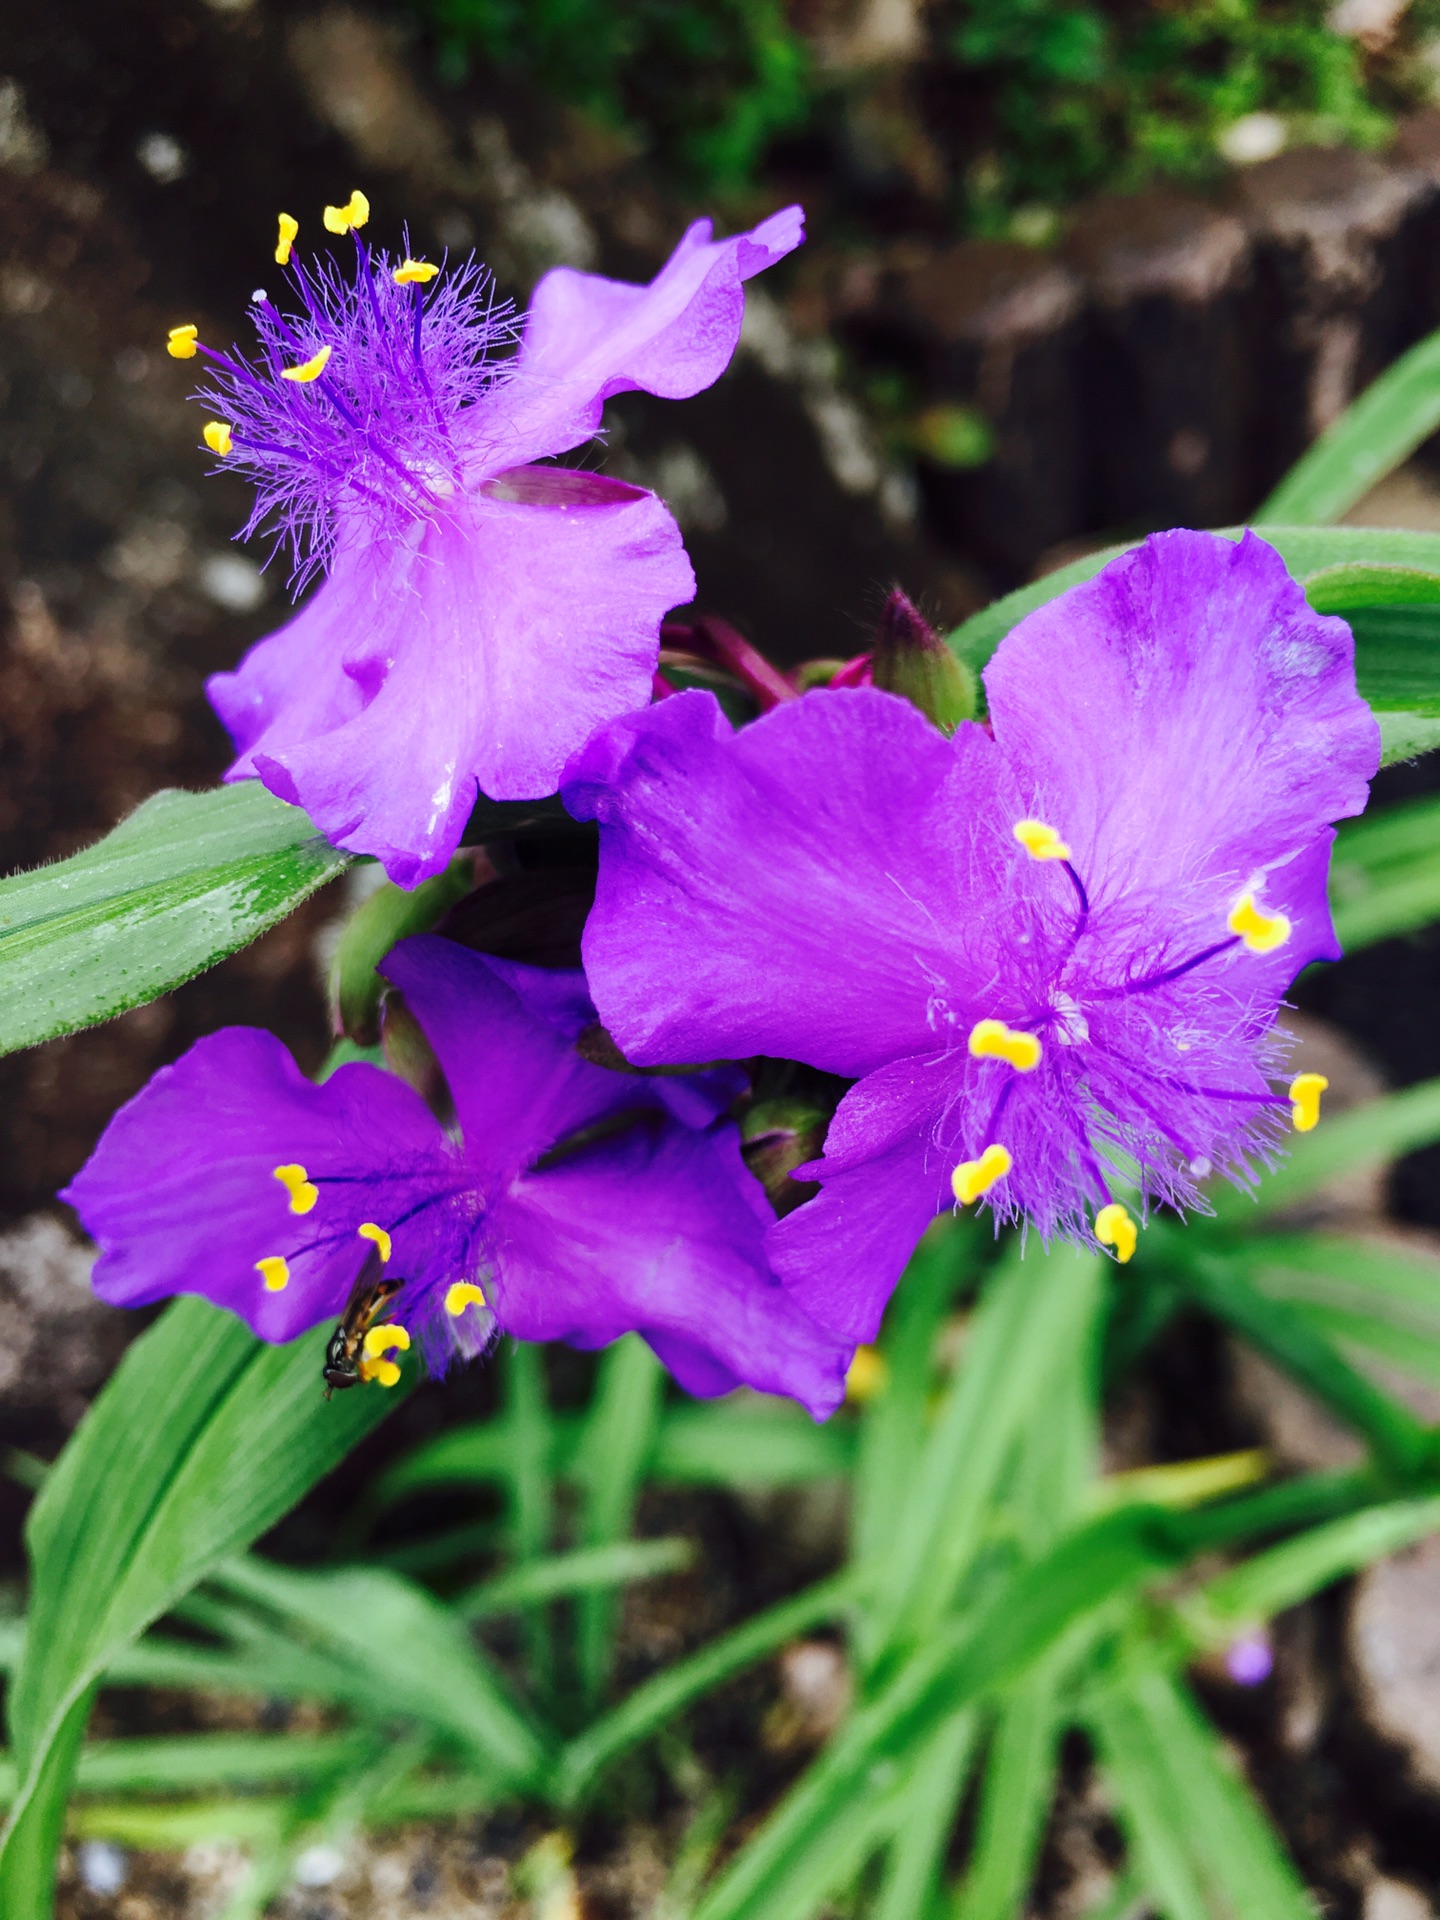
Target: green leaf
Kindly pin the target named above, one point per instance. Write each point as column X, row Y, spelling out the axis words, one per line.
column 916, row 1858
column 1367, row 1136
column 584, row 1571
column 1063, row 1598
column 658, row 1700
column 1376, row 432
column 619, row 1438
column 202, row 1439
column 1284, row 1334
column 413, row 1653
column 185, row 880
column 1204, row 1845
column 1377, row 1296
column 1385, row 873
column 1019, row 1784
column 747, row 1443
column 389, row 915
column 1034, row 1309
column 1283, row 1576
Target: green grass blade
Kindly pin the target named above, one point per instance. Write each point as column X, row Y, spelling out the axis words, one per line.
column 1376, row 1297
column 916, row 1858
column 1385, row 874
column 1375, row 433
column 1196, row 1808
column 1367, row 1136
column 561, row 1575
column 618, row 1440
column 185, row 880
column 752, row 1443
column 412, row 1653
column 1019, row 1784
column 1056, row 1604
column 201, row 1440
column 660, row 1699
column 531, row 1443
column 1283, row 1334
column 1032, row 1310
column 1267, row 1583
column 892, row 1427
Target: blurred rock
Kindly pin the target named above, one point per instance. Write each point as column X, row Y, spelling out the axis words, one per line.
column 1395, row 1900
column 60, row 1341
column 1394, row 1646
column 1331, row 284
column 995, row 327
column 1163, row 365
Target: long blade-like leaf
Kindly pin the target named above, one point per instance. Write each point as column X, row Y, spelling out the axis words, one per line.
column 203, row 1439
column 186, row 879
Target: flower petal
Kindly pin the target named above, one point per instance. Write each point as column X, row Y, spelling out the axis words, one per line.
column 1183, row 720
column 806, row 887
column 481, row 652
column 883, row 1180
column 588, row 338
column 518, row 1084
column 182, row 1197
column 661, row 1232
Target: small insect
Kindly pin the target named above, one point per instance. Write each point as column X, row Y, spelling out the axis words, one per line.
column 369, row 1294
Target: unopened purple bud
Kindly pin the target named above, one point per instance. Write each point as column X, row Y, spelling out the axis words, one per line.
column 1249, row 1661
column 911, row 659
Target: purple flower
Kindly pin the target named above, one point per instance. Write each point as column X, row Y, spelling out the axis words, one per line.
column 570, row 1203
column 1052, row 957
column 480, row 614
column 1249, row 1660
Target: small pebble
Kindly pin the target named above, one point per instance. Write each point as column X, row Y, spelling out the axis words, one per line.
column 102, row 1866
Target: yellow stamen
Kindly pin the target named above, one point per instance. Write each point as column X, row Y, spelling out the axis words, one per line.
column 297, row 1183
column 462, row 1294
column 217, row 436
column 289, row 227
column 1114, row 1228
column 309, row 370
column 1039, row 841
column 378, row 1234
column 274, row 1271
column 1261, row 932
column 412, row 271
column 1305, row 1092
column 180, row 345
column 379, row 1343
column 868, row 1376
column 354, row 213
column 993, row 1040
column 974, row 1177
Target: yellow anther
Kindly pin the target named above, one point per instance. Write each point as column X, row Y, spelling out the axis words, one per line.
column 993, row 1040
column 310, row 370
column 868, row 1376
column 297, row 1183
column 974, row 1177
column 1114, row 1228
column 217, row 436
column 462, row 1294
column 411, row 271
column 380, row 1342
column 274, row 1271
column 354, row 213
column 1305, row 1092
column 378, row 1234
column 1039, row 841
column 1261, row 932
column 289, row 227
column 180, row 345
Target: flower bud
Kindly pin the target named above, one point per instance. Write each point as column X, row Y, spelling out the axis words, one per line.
column 911, row 659
column 776, row 1137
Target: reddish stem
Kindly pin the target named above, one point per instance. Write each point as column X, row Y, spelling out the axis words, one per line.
column 714, row 639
